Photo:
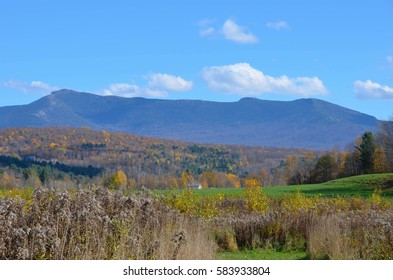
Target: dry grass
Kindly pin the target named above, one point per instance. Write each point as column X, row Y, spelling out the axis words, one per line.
column 328, row 239
column 339, row 228
column 98, row 224
column 360, row 234
column 352, row 235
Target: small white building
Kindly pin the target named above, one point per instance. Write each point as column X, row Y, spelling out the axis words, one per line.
column 195, row 186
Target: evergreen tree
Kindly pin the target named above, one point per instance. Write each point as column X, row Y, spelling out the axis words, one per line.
column 324, row 170
column 367, row 149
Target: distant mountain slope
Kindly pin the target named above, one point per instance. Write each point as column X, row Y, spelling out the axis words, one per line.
column 303, row 123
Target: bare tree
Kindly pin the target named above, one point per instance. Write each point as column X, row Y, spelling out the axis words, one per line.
column 385, row 140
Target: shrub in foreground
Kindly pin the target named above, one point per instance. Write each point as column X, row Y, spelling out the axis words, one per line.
column 98, row 224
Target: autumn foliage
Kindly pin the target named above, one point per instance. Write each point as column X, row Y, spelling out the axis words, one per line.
column 153, row 163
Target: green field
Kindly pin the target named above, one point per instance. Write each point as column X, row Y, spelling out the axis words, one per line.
column 363, row 185
column 260, row 254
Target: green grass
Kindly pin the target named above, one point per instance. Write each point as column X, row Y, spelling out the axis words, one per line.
column 362, row 185
column 261, row 254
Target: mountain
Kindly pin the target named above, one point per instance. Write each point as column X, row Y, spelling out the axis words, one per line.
column 302, row 123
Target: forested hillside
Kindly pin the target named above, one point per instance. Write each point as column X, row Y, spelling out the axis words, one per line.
column 146, row 161
column 89, row 156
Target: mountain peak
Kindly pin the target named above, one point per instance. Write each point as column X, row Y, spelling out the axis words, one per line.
column 249, row 99
column 64, row 91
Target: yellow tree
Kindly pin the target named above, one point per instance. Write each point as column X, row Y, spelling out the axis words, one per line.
column 185, row 179
column 233, row 180
column 251, row 182
column 342, row 159
column 208, row 179
column 116, row 181
column 121, row 178
column 290, row 164
column 380, row 162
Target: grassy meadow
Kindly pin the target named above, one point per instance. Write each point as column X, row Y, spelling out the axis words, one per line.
column 348, row 218
column 363, row 186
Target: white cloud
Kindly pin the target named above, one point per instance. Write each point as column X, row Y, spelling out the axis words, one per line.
column 371, row 90
column 205, row 27
column 389, row 59
column 159, row 85
column 168, row 82
column 236, row 33
column 206, row 22
column 121, row 89
column 230, row 30
column 130, row 90
column 33, row 87
column 207, row 32
column 278, row 25
column 245, row 80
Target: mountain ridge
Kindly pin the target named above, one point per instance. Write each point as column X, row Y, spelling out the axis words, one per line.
column 302, row 123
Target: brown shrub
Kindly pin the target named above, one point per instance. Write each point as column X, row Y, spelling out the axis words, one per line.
column 98, row 224
column 331, row 229
column 225, row 239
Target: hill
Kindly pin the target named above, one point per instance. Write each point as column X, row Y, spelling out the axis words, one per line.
column 146, row 161
column 303, row 123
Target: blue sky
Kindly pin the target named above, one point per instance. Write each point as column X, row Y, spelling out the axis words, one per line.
column 338, row 51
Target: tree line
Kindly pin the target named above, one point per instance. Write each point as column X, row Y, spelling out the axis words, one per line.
column 370, row 153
